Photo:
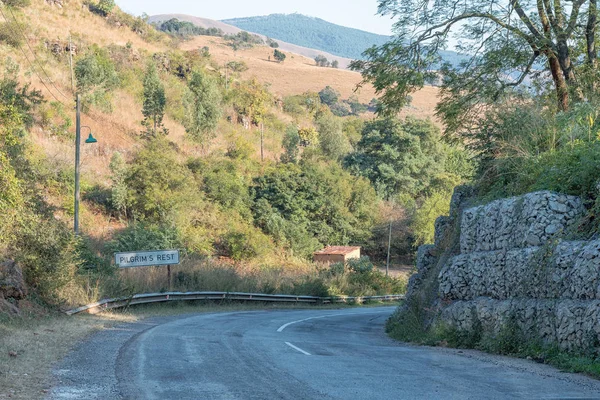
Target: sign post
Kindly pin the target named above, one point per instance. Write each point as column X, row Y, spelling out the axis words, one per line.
column 148, row 259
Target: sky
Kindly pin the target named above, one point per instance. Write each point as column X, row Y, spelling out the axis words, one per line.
column 359, row 14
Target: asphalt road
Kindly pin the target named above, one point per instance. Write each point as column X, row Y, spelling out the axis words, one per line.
column 306, row 354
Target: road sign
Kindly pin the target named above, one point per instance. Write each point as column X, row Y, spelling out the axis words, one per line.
column 147, row 258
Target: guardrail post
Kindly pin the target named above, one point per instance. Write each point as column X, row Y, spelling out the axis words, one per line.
column 169, row 278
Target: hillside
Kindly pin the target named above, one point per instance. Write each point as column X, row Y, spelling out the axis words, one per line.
column 311, row 32
column 230, row 29
column 299, row 74
column 315, row 33
column 246, row 164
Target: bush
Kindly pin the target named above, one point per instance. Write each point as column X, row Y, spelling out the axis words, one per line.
column 96, row 77
column 144, row 236
column 17, row 3
column 48, row 256
column 103, row 7
column 244, row 245
column 10, row 33
column 360, row 265
column 237, row 66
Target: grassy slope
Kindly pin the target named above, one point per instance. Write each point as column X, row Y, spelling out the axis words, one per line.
column 117, row 131
column 298, row 74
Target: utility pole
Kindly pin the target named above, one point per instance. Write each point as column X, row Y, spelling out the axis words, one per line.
column 77, row 166
column 226, row 76
column 387, row 264
column 262, row 134
column 71, row 63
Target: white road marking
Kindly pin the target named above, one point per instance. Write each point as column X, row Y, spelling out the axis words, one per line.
column 306, row 353
column 282, row 327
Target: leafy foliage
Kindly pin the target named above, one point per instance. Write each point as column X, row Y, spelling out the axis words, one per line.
column 154, row 102
column 251, row 99
column 185, row 29
column 104, row 7
column 329, row 96
column 297, row 204
column 398, row 156
column 203, row 107
column 291, row 145
column 96, row 77
column 243, row 40
column 279, row 55
column 334, row 144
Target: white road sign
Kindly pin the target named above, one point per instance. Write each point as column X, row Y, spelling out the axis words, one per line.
column 147, row 258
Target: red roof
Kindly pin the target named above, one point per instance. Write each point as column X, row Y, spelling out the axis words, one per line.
column 337, row 250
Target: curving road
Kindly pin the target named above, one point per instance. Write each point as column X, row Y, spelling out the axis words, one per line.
column 307, row 354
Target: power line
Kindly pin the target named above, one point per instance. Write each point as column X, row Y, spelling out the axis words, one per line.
column 34, row 55
column 130, row 140
column 31, row 65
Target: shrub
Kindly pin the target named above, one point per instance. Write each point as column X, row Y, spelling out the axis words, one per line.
column 17, row 3
column 360, row 265
column 237, row 66
column 48, row 256
column 103, row 7
column 145, row 236
column 10, row 33
column 329, row 96
column 96, row 77
column 291, row 145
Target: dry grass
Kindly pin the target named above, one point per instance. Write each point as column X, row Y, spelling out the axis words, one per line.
column 29, row 346
column 299, row 74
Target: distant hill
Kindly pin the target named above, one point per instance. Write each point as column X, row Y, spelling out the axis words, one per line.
column 311, row 32
column 230, row 29
column 319, row 34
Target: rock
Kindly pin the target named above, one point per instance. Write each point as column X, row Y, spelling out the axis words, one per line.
column 551, row 229
column 12, row 284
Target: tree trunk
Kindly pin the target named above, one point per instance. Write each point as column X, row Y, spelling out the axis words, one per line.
column 592, row 52
column 590, row 35
column 562, row 90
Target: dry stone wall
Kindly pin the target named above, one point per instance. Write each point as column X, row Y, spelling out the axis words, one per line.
column 513, row 267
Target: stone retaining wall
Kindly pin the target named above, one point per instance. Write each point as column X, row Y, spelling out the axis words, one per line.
column 514, row 266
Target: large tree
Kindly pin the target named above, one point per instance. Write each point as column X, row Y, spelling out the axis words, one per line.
column 506, row 43
column 203, row 108
column 155, row 102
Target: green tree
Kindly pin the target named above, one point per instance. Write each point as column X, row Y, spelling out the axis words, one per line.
column 335, row 64
column 96, row 77
column 279, row 55
column 155, row 102
column 298, row 204
column 308, row 136
column 291, row 145
column 158, row 184
column 398, row 156
column 329, row 96
column 251, row 99
column 332, row 141
column 203, row 107
column 105, row 7
column 509, row 45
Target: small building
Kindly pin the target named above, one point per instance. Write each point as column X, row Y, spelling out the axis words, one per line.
column 334, row 254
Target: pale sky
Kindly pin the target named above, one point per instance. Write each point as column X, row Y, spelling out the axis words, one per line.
column 359, row 14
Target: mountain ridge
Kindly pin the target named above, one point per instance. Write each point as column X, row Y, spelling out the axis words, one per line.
column 311, row 32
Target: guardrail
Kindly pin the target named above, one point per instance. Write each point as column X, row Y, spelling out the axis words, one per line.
column 109, row 304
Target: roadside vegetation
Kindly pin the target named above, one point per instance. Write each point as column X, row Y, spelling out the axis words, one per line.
column 247, row 185
column 525, row 104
